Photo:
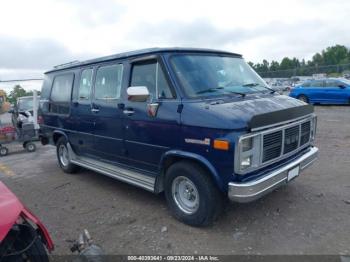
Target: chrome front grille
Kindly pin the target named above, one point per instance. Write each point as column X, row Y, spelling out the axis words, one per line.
column 305, row 133
column 256, row 150
column 291, row 139
column 285, row 140
column 272, row 144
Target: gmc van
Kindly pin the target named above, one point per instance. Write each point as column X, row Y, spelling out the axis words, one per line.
column 199, row 125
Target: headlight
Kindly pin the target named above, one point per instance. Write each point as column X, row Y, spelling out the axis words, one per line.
column 248, row 152
column 246, row 162
column 247, row 144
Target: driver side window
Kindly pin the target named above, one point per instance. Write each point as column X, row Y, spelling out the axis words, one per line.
column 152, row 76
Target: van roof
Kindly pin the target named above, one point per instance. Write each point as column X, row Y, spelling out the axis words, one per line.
column 140, row 52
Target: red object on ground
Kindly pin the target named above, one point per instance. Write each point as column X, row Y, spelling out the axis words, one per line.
column 7, row 129
column 11, row 209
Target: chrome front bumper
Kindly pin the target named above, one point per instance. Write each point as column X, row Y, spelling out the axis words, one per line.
column 252, row 190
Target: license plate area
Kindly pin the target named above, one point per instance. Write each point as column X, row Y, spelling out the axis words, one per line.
column 293, row 173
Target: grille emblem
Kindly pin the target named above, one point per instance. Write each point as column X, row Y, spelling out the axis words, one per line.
column 291, row 139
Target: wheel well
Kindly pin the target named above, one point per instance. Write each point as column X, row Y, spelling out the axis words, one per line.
column 56, row 136
column 171, row 160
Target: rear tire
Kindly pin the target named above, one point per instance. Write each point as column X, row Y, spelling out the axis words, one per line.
column 191, row 194
column 303, row 98
column 30, row 147
column 64, row 158
column 4, row 151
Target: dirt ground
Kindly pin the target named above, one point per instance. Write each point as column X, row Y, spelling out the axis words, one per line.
column 310, row 216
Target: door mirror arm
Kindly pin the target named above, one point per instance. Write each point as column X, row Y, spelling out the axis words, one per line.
column 121, row 106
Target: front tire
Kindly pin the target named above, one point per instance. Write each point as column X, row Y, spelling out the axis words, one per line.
column 27, row 246
column 192, row 196
column 64, row 158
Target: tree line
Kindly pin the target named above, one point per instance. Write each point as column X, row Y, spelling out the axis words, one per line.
column 333, row 59
column 18, row 91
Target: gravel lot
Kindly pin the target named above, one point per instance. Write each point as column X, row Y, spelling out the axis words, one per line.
column 310, row 216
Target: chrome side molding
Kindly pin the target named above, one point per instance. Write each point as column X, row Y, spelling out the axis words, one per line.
column 129, row 176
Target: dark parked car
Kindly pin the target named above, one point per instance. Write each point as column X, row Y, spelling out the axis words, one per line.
column 198, row 124
column 323, row 91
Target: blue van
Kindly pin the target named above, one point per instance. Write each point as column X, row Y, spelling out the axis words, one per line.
column 199, row 125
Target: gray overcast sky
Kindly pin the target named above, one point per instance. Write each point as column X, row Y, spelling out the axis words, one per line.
column 38, row 34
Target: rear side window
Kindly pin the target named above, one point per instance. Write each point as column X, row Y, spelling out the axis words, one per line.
column 152, row 76
column 316, row 84
column 108, row 82
column 61, row 94
column 46, row 87
column 85, row 84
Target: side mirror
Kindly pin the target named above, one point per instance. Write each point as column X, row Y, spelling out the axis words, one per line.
column 137, row 93
column 342, row 86
column 11, row 111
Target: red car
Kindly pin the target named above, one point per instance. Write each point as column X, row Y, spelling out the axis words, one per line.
column 22, row 236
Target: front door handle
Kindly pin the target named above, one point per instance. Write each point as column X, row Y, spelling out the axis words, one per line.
column 95, row 110
column 128, row 111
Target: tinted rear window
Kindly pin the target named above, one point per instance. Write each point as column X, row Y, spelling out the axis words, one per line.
column 62, row 88
column 61, row 93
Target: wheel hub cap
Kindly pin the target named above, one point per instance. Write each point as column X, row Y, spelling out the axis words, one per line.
column 63, row 155
column 185, row 195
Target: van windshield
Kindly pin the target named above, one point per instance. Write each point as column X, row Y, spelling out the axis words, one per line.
column 213, row 75
column 25, row 104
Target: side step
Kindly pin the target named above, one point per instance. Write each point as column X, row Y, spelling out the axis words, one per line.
column 122, row 174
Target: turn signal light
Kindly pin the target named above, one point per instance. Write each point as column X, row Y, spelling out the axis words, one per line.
column 221, row 144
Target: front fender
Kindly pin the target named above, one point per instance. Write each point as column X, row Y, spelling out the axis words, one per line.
column 11, row 209
column 199, row 159
column 41, row 228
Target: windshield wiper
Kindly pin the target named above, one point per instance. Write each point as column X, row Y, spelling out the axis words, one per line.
column 257, row 84
column 209, row 90
column 237, row 93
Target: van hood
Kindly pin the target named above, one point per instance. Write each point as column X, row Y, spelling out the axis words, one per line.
column 251, row 112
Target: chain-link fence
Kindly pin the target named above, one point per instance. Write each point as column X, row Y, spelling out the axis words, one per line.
column 330, row 70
